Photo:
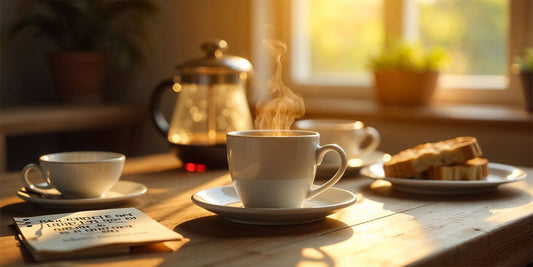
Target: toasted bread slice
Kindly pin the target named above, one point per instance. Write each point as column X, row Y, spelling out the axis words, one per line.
column 415, row 161
column 473, row 169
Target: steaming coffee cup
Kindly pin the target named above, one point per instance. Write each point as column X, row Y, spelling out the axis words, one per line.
column 357, row 140
column 82, row 174
column 276, row 169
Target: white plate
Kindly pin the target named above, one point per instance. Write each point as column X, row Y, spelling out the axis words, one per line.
column 499, row 174
column 326, row 170
column 225, row 202
column 121, row 191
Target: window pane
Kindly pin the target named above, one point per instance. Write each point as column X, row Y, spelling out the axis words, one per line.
column 341, row 34
column 473, row 31
column 333, row 39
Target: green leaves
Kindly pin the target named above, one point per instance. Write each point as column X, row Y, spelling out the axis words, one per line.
column 525, row 63
column 409, row 56
column 92, row 24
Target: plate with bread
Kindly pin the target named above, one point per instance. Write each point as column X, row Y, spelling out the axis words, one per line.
column 454, row 166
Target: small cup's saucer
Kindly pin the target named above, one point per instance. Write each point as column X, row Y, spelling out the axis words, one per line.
column 121, row 191
column 225, row 202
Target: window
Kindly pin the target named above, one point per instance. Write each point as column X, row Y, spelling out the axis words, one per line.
column 330, row 42
column 474, row 33
column 330, row 45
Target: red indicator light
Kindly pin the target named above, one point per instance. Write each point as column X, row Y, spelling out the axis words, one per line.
column 200, row 168
column 190, row 167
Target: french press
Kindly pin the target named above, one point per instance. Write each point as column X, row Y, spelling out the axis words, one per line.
column 211, row 101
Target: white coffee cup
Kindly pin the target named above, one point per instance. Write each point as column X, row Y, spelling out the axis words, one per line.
column 80, row 174
column 276, row 169
column 350, row 135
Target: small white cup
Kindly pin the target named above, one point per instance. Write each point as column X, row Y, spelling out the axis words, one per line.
column 348, row 134
column 81, row 174
column 276, row 169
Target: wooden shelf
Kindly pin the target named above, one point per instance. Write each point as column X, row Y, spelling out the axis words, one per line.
column 451, row 114
column 31, row 120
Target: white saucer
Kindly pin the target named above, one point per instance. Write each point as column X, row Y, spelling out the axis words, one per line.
column 326, row 170
column 499, row 174
column 225, row 202
column 121, row 191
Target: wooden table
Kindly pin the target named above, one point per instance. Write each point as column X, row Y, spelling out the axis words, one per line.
column 384, row 227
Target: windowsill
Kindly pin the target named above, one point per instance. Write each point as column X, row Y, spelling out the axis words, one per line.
column 460, row 114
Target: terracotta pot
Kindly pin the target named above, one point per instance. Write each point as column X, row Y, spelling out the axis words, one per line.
column 78, row 76
column 527, row 84
column 405, row 87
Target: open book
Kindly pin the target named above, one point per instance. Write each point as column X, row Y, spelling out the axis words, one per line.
column 89, row 233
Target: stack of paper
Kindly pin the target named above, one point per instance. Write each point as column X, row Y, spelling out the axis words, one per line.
column 87, row 233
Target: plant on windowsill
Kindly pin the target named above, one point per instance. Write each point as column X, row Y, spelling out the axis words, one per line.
column 524, row 67
column 90, row 34
column 406, row 74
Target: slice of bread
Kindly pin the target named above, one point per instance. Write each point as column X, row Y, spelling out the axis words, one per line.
column 473, row 169
column 414, row 161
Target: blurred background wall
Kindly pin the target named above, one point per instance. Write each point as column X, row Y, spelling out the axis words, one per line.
column 175, row 35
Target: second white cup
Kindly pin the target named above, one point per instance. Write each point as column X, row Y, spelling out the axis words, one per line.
column 81, row 174
column 276, row 169
column 356, row 139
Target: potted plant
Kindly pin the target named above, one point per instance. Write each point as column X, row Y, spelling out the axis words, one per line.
column 89, row 34
column 406, row 74
column 524, row 67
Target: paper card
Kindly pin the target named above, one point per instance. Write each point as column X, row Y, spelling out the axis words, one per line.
column 77, row 231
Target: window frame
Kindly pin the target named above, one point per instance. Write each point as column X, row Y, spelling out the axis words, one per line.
column 277, row 15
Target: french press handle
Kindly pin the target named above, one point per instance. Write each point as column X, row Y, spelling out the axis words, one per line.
column 158, row 119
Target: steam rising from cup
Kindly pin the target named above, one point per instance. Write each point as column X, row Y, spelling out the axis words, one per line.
column 280, row 111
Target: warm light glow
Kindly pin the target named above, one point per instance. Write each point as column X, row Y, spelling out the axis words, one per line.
column 181, row 138
column 358, row 125
column 515, row 174
column 313, row 255
column 211, row 135
column 175, row 138
column 197, row 115
column 429, row 2
column 355, row 162
column 176, row 87
column 386, row 157
column 185, row 139
column 378, row 184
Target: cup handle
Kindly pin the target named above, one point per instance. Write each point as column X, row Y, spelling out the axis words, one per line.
column 313, row 192
column 37, row 188
column 375, row 139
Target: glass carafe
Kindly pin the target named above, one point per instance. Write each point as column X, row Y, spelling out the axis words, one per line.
column 211, row 101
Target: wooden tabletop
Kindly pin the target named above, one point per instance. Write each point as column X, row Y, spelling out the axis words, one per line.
column 384, row 228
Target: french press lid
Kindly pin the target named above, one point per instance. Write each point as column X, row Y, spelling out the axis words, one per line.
column 215, row 67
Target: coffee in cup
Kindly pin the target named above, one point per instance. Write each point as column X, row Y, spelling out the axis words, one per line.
column 357, row 140
column 276, row 168
column 81, row 174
